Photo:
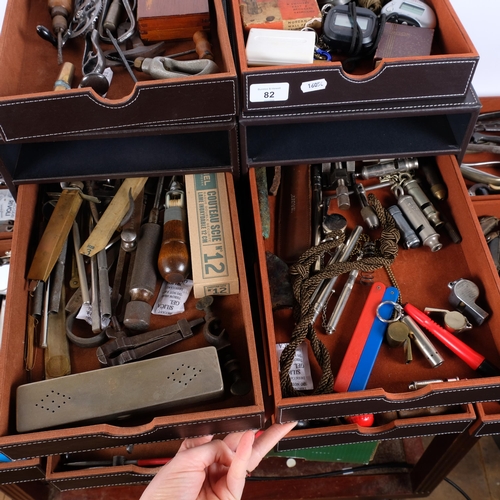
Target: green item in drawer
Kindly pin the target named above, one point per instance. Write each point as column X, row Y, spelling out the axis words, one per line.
column 353, row 453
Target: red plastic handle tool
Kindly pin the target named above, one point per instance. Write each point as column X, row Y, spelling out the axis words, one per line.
column 151, row 462
column 475, row 360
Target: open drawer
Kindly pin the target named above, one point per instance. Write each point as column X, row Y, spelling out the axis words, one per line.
column 193, row 117
column 128, row 466
column 222, row 414
column 423, row 277
column 394, row 425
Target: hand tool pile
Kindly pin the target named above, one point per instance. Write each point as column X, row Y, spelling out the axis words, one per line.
column 112, row 44
column 112, row 248
column 480, row 170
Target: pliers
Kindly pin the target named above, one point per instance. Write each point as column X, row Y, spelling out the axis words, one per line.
column 123, row 349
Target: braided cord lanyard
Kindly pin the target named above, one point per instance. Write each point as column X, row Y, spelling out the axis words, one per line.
column 304, row 286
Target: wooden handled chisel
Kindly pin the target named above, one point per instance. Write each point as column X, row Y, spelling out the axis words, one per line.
column 113, row 216
column 55, row 234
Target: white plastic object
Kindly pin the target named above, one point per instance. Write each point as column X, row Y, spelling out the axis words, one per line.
column 268, row 47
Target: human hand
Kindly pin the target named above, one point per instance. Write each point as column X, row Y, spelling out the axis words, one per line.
column 211, row 469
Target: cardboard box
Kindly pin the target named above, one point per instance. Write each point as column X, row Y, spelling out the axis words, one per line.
column 278, row 14
column 211, row 240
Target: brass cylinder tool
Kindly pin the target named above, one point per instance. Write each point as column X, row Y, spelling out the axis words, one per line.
column 425, row 346
column 173, row 259
column 217, row 336
column 433, row 177
column 60, row 11
column 145, row 272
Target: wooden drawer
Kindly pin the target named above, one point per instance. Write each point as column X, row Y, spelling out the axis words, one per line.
column 223, row 415
column 422, row 277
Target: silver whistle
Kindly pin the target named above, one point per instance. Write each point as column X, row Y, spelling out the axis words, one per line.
column 419, row 222
column 463, row 297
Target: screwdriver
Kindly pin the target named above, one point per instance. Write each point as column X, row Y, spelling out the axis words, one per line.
column 143, row 279
column 173, row 259
column 60, row 10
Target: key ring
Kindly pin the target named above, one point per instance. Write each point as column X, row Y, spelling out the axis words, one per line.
column 397, row 307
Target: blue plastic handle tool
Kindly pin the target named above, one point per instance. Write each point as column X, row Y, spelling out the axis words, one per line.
column 374, row 341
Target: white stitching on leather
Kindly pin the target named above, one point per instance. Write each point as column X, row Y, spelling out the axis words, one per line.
column 157, row 429
column 358, row 82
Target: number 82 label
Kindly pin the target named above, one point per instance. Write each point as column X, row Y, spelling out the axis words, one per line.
column 269, row 92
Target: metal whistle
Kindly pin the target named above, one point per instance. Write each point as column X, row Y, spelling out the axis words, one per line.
column 463, row 296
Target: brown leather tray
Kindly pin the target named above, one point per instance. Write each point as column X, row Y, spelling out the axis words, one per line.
column 488, row 419
column 453, row 420
column 446, row 73
column 22, row 471
column 488, row 413
column 358, row 132
column 230, row 413
column 456, row 420
column 65, row 478
column 422, row 277
column 31, row 111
